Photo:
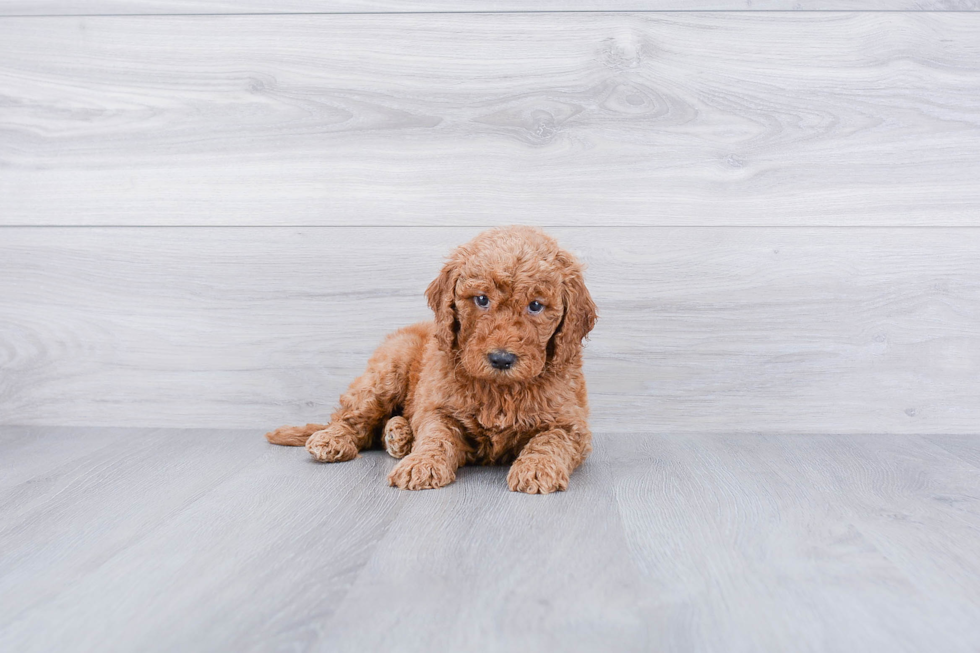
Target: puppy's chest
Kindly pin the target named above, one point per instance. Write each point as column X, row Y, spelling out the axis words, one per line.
column 496, row 442
column 497, row 424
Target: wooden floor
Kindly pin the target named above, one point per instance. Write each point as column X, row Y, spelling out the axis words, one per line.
column 190, row 540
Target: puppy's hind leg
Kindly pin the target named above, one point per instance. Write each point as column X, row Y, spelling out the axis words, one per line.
column 371, row 398
column 398, row 437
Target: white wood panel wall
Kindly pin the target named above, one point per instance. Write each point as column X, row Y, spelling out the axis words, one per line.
column 211, row 220
column 147, row 7
column 735, row 118
column 785, row 329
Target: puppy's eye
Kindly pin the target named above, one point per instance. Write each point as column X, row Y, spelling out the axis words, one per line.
column 535, row 307
column 482, row 301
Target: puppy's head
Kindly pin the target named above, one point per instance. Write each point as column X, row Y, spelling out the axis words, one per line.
column 510, row 304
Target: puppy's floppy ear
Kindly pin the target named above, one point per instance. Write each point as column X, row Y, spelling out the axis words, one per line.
column 441, row 295
column 580, row 314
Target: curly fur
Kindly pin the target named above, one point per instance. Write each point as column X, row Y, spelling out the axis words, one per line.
column 432, row 398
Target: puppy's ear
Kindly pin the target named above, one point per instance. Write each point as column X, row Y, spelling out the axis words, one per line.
column 579, row 318
column 441, row 295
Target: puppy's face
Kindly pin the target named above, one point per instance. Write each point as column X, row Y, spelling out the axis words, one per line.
column 506, row 322
column 509, row 304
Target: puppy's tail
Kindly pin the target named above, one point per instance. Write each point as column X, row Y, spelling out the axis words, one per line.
column 293, row 436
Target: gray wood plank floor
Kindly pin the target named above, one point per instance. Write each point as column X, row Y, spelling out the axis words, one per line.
column 738, row 118
column 170, row 540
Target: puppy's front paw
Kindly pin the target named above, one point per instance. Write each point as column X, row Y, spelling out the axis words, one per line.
column 421, row 472
column 537, row 475
column 398, row 437
column 333, row 444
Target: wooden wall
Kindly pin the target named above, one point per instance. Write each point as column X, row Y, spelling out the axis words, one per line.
column 211, row 212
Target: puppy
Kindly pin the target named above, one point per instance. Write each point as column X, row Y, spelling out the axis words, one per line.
column 497, row 378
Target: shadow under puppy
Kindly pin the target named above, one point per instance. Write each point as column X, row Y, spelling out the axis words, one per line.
column 497, row 378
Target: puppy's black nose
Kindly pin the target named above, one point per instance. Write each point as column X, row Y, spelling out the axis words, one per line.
column 501, row 359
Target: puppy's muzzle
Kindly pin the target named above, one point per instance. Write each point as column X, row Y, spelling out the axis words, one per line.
column 501, row 359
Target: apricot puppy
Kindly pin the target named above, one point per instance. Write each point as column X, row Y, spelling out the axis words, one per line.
column 496, row 378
